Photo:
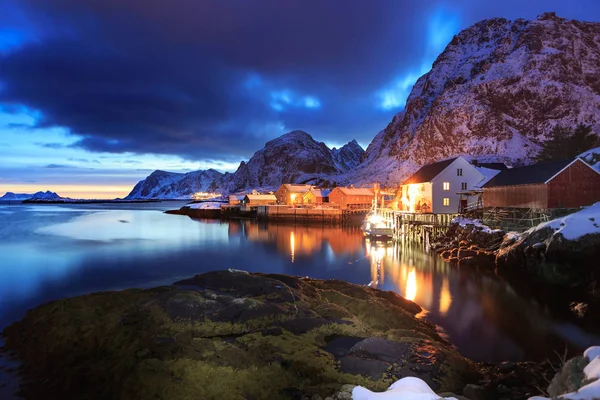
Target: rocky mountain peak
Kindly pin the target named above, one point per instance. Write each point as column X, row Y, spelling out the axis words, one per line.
column 495, row 92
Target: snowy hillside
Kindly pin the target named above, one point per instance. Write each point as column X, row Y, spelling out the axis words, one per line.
column 495, row 92
column 171, row 185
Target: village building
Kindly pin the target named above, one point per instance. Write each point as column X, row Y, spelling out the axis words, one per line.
column 562, row 184
column 435, row 188
column 236, row 199
column 352, row 198
column 291, row 194
column 316, row 196
column 259, row 200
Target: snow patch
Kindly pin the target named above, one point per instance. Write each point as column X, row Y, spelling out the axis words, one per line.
column 463, row 222
column 408, row 388
column 209, row 205
column 576, row 225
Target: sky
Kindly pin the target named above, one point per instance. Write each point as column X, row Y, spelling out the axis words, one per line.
column 96, row 94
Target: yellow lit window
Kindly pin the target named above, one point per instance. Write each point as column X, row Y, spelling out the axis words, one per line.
column 446, row 185
column 446, row 201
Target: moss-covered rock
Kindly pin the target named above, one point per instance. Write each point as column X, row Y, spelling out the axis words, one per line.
column 230, row 335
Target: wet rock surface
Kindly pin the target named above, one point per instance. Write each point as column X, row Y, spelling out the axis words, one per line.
column 231, row 335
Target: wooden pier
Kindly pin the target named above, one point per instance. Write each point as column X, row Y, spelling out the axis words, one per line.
column 418, row 226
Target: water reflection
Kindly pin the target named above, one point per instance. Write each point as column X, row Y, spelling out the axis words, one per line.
column 482, row 315
column 74, row 250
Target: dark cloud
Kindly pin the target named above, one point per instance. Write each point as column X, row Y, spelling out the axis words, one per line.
column 214, row 80
column 54, row 166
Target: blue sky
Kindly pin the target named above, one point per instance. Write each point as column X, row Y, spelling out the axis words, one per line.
column 95, row 94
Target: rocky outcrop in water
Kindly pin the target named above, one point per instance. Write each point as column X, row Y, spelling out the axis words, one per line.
column 231, row 335
column 469, row 243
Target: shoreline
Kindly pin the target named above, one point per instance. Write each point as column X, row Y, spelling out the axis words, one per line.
column 347, row 314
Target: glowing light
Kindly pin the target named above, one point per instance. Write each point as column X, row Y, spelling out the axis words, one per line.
column 411, row 285
column 445, row 297
column 292, row 244
column 205, row 195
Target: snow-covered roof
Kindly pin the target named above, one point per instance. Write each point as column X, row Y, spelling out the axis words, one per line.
column 297, row 188
column 488, row 174
column 259, row 197
column 356, row 191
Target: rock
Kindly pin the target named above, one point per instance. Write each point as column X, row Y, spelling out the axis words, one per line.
column 474, row 392
column 570, row 377
column 466, row 253
column 506, row 367
column 251, row 336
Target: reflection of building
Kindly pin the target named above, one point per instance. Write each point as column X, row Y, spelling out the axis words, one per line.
column 349, row 197
column 316, row 196
column 434, row 187
column 291, row 194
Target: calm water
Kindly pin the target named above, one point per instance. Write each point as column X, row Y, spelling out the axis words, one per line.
column 49, row 252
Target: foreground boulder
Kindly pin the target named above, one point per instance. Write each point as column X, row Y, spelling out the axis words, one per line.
column 230, row 335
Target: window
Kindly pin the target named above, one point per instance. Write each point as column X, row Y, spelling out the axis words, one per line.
column 459, row 172
column 446, row 185
column 463, row 186
column 446, row 201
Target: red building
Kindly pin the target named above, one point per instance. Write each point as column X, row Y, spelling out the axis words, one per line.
column 356, row 198
column 561, row 184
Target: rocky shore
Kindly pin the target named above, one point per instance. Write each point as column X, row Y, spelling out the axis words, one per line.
column 562, row 252
column 231, row 335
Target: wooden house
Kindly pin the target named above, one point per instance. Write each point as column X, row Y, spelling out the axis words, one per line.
column 291, row 194
column 316, row 196
column 353, row 198
column 561, row 184
column 236, row 199
column 259, row 200
column 435, row 187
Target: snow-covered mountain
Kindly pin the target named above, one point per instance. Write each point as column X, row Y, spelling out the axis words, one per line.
column 38, row 196
column 294, row 157
column 348, row 156
column 171, row 185
column 10, row 196
column 495, row 92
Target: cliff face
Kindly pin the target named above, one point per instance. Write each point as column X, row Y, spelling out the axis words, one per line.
column 495, row 92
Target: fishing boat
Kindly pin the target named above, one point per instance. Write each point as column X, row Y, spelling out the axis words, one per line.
column 376, row 226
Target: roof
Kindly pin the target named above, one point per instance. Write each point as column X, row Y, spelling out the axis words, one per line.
column 492, row 165
column 319, row 192
column 237, row 196
column 427, row 172
column 529, row 175
column 270, row 197
column 297, row 188
column 356, row 191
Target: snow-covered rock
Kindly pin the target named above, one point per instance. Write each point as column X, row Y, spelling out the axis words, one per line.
column 587, row 384
column 495, row 92
column 576, row 225
column 408, row 388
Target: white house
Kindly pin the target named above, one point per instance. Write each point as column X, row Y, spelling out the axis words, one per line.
column 434, row 187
